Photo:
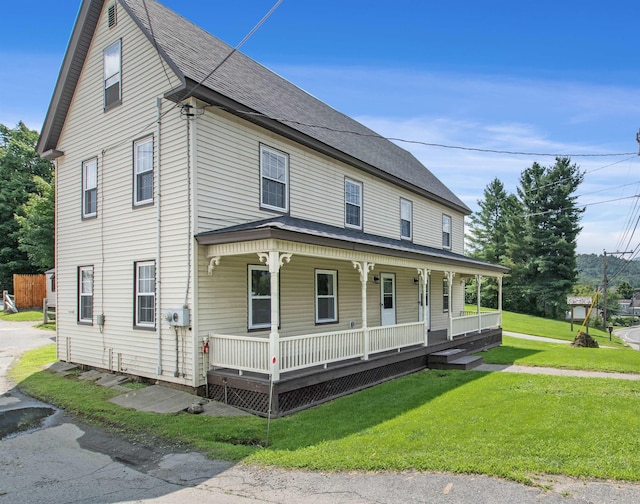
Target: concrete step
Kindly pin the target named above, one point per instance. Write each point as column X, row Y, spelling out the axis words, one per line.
column 464, row 363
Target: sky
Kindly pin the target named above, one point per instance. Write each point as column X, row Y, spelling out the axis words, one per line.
column 543, row 77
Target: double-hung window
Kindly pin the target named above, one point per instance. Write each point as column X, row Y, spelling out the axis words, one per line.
column 446, row 232
column 445, row 294
column 145, row 294
column 274, row 179
column 143, row 171
column 406, row 219
column 89, row 188
column 259, row 297
column 85, row 294
column 352, row 204
column 112, row 75
column 326, row 296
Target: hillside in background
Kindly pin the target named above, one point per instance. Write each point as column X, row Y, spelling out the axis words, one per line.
column 591, row 270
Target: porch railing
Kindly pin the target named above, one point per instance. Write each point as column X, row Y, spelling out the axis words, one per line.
column 475, row 323
column 250, row 353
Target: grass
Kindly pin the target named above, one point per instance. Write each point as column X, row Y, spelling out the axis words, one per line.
column 514, row 426
column 561, row 355
column 23, row 316
column 557, row 329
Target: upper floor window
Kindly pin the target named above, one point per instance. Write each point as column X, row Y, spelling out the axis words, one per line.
column 326, row 296
column 90, row 188
column 85, row 294
column 446, row 232
column 274, row 179
column 352, row 204
column 406, row 218
column 143, row 171
column 112, row 77
column 259, row 297
column 145, row 294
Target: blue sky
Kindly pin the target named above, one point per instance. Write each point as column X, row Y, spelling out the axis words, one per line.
column 546, row 77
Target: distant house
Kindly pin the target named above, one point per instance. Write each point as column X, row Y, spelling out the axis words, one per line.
column 217, row 226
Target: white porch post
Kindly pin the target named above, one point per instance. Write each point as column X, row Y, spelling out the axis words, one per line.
column 478, row 284
column 275, row 261
column 364, row 268
column 450, row 304
column 424, row 276
column 500, row 301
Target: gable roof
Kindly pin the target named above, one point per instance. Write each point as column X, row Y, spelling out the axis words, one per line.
column 247, row 89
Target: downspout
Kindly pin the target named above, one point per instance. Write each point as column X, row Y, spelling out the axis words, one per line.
column 194, row 326
column 158, row 236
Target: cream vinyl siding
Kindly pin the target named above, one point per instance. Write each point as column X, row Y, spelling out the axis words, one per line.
column 228, row 185
column 122, row 234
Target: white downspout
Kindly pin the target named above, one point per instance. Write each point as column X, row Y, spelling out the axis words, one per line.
column 158, row 236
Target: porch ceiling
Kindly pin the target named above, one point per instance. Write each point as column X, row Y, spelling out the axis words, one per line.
column 303, row 237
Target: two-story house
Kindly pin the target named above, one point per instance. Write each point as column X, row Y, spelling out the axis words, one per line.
column 218, row 227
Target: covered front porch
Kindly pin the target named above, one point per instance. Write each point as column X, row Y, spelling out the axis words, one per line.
column 357, row 312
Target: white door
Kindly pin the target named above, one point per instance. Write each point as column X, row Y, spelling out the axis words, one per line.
column 422, row 310
column 388, row 298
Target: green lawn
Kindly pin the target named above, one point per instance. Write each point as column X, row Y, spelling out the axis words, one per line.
column 23, row 316
column 510, row 425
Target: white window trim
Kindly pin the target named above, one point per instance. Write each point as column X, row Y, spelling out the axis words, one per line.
column 112, row 78
column 359, row 206
column 84, row 295
column 408, row 204
column 251, row 297
column 263, row 149
column 89, row 164
column 136, row 144
column 334, row 296
column 446, row 292
column 446, row 220
column 139, row 294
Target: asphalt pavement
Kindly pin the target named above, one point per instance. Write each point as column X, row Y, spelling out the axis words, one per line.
column 66, row 461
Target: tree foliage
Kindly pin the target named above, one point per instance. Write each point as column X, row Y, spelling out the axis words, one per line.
column 19, row 164
column 535, row 236
column 36, row 223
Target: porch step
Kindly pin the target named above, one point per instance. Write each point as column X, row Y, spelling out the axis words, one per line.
column 446, row 356
column 464, row 363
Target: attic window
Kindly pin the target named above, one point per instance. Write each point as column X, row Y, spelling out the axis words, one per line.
column 113, row 15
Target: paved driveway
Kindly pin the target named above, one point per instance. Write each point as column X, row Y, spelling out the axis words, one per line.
column 69, row 462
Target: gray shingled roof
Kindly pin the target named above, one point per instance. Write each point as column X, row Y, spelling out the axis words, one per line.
column 349, row 237
column 193, row 53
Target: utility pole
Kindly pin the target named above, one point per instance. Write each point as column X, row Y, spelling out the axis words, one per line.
column 606, row 280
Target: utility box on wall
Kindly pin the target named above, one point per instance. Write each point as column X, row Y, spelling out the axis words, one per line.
column 177, row 316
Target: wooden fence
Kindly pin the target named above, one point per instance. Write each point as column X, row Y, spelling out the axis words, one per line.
column 29, row 290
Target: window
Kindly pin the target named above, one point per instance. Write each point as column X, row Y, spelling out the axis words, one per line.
column 112, row 88
column 143, row 171
column 406, row 217
column 259, row 297
column 326, row 296
column 89, row 188
column 145, row 294
column 352, row 204
column 274, row 179
column 85, row 294
column 445, row 294
column 446, row 232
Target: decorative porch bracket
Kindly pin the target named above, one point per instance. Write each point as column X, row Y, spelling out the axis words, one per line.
column 275, row 260
column 215, row 261
column 364, row 268
column 424, row 274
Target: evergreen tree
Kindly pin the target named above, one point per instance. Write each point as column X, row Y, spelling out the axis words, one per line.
column 543, row 239
column 19, row 163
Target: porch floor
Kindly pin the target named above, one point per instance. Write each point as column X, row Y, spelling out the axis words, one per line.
column 297, row 390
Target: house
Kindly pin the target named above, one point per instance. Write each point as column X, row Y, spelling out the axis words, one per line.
column 219, row 228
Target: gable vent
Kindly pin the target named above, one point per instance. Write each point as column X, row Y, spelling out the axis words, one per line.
column 112, row 13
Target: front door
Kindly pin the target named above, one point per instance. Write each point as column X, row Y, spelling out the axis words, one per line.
column 423, row 310
column 388, row 298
